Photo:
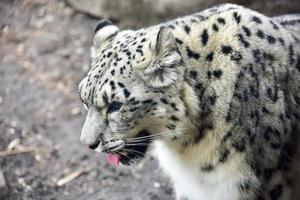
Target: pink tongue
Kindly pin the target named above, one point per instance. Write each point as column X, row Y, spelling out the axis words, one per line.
column 113, row 159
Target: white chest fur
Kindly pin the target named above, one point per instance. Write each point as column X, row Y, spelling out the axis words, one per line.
column 193, row 184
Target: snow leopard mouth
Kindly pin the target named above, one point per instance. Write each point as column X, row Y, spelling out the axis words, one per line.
column 134, row 150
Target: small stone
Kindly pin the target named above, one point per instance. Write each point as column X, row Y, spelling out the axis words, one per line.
column 75, row 111
column 14, row 143
column 91, row 190
column 107, row 182
column 156, row 185
column 68, row 12
column 3, row 186
column 12, row 131
column 13, row 124
column 38, row 157
column 20, row 49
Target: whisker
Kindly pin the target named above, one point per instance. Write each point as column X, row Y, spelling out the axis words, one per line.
column 134, row 151
column 163, row 133
column 137, row 144
column 154, row 135
column 124, row 155
column 176, row 133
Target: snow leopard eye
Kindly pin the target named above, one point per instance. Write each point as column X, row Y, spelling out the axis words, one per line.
column 114, row 106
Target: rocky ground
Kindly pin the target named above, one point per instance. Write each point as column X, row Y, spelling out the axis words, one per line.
column 44, row 52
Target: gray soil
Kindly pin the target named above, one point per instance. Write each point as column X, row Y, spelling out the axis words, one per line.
column 44, row 52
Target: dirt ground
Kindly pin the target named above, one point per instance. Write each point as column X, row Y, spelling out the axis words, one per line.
column 44, row 52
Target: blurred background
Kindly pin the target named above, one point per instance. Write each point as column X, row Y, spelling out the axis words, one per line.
column 44, row 52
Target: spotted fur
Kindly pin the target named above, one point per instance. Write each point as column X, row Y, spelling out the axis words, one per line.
column 217, row 92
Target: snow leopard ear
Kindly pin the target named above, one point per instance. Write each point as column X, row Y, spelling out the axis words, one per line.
column 164, row 70
column 104, row 30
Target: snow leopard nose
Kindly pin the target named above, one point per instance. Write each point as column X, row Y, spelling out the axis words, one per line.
column 97, row 145
column 94, row 145
column 93, row 127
